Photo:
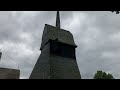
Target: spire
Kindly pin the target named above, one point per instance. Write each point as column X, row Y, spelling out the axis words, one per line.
column 0, row 54
column 58, row 20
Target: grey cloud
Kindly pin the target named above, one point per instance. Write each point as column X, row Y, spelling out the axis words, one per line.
column 98, row 45
column 96, row 35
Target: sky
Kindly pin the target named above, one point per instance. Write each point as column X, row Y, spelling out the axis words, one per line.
column 96, row 33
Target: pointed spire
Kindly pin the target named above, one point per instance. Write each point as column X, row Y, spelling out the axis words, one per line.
column 0, row 54
column 58, row 20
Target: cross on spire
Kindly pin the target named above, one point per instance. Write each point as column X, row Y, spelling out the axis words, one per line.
column 58, row 20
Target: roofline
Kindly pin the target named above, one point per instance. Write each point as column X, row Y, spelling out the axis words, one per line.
column 58, row 42
column 10, row 69
column 56, row 28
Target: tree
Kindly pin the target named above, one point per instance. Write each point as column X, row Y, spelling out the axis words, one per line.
column 103, row 75
column 117, row 12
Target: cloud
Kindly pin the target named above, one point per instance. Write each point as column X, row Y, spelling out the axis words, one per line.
column 96, row 35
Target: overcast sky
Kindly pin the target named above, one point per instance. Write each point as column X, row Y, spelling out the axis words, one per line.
column 97, row 35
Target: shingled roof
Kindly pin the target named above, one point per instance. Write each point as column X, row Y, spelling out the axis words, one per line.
column 52, row 33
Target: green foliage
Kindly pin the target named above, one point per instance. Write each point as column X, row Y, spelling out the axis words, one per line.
column 117, row 12
column 103, row 75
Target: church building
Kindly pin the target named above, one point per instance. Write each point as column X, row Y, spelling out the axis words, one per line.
column 8, row 73
column 58, row 54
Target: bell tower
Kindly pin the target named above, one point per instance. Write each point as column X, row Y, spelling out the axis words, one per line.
column 58, row 54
